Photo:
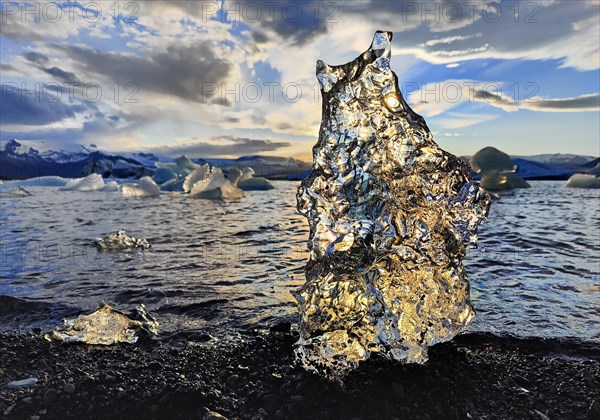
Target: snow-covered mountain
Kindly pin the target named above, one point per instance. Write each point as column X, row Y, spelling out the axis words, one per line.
column 564, row 159
column 20, row 160
column 29, row 159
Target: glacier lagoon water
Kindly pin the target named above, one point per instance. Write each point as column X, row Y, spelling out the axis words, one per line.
column 225, row 267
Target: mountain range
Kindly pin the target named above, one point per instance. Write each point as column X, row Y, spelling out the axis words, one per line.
column 21, row 160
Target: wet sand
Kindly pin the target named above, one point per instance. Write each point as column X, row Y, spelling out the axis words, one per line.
column 474, row 376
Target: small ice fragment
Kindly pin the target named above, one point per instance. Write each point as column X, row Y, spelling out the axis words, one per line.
column 118, row 241
column 106, row 326
column 248, row 182
column 23, row 383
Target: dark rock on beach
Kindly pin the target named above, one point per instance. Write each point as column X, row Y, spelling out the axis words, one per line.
column 474, row 376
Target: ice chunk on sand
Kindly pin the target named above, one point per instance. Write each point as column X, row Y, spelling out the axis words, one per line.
column 92, row 182
column 391, row 215
column 106, row 326
column 23, row 383
column 118, row 241
column 583, row 181
column 146, row 187
column 249, row 182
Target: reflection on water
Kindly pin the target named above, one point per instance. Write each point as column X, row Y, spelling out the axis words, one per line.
column 218, row 267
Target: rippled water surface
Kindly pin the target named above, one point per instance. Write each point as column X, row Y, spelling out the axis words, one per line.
column 220, row 267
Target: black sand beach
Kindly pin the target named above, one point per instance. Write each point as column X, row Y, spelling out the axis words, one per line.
column 474, row 376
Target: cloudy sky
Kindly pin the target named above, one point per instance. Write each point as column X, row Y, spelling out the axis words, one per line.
column 234, row 78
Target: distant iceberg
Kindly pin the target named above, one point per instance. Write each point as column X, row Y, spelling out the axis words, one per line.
column 110, row 187
column 42, row 181
column 145, row 188
column 210, row 183
column 93, row 182
column 497, row 170
column 248, row 182
column 163, row 175
column 19, row 192
column 583, row 181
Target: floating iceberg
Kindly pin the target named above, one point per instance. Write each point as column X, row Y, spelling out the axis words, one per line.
column 210, row 183
column 106, row 326
column 93, row 182
column 185, row 163
column 118, row 241
column 200, row 174
column 144, row 188
column 110, row 186
column 248, row 182
column 162, row 175
column 42, row 181
column 391, row 216
column 497, row 170
column 19, row 192
column 583, row 181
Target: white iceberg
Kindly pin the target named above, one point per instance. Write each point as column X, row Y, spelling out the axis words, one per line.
column 183, row 165
column 110, row 187
column 199, row 174
column 145, row 188
column 92, row 182
column 248, row 182
column 210, row 183
column 41, row 181
column 583, row 181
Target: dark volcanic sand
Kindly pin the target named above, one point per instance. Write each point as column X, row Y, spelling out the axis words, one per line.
column 475, row 376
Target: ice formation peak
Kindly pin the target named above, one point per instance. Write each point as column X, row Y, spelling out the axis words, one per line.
column 391, row 215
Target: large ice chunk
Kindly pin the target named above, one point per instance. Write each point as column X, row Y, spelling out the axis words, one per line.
column 106, row 326
column 391, row 216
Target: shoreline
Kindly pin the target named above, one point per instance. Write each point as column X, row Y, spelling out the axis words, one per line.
column 254, row 377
